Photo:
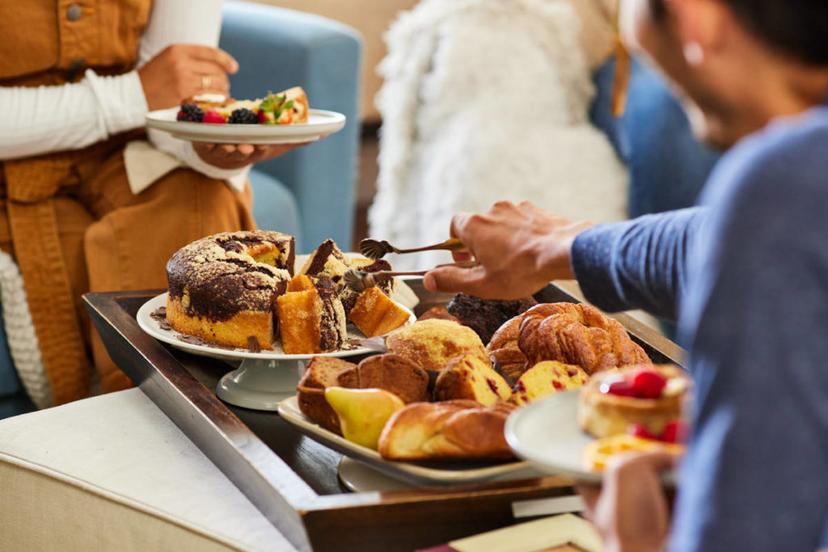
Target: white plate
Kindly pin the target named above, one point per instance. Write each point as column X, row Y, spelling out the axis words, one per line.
column 320, row 123
column 448, row 473
column 547, row 434
column 172, row 337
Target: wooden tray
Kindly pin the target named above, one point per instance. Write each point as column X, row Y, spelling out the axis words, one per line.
column 293, row 479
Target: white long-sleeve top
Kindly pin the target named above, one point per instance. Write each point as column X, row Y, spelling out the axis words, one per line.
column 38, row 120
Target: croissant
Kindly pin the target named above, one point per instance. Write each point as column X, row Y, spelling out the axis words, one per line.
column 459, row 430
column 504, row 352
column 577, row 334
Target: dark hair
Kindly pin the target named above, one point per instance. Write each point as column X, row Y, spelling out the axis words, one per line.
column 798, row 28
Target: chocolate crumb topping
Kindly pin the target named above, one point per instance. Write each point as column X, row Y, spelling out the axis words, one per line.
column 160, row 316
column 316, row 263
column 216, row 278
column 332, row 326
column 234, row 246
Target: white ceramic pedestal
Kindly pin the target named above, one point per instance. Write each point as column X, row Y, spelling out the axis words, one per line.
column 260, row 384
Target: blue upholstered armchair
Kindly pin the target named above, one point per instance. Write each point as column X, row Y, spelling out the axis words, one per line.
column 308, row 192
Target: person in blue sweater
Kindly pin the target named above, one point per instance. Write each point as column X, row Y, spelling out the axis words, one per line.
column 745, row 272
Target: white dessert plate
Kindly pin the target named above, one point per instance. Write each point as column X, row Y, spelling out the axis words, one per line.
column 320, row 123
column 421, row 474
column 547, row 434
column 155, row 328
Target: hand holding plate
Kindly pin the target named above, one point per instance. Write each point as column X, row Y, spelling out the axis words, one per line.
column 236, row 156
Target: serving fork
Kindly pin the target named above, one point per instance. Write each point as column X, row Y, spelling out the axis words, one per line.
column 377, row 249
column 360, row 280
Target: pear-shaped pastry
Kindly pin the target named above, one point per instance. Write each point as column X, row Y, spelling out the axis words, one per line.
column 363, row 412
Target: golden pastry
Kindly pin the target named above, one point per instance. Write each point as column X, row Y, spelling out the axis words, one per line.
column 433, row 343
column 546, row 378
column 577, row 334
column 461, row 430
column 469, row 377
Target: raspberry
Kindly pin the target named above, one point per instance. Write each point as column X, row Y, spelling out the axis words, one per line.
column 214, row 117
column 243, row 116
column 648, row 384
column 674, row 432
column 641, row 431
column 191, row 113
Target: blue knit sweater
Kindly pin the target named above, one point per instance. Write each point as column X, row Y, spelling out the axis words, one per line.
column 746, row 273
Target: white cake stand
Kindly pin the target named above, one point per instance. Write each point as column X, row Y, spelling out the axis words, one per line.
column 263, row 379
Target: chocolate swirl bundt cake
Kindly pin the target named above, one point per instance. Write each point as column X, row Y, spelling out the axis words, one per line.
column 223, row 288
column 237, row 289
column 311, row 316
column 328, row 260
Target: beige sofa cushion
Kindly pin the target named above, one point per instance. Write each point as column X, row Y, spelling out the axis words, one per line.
column 114, row 473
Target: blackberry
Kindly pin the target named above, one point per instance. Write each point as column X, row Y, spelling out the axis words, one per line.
column 243, row 116
column 190, row 112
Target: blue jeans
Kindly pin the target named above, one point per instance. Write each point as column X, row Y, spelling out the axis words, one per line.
column 668, row 166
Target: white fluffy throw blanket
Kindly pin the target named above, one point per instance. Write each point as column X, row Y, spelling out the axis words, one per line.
column 486, row 100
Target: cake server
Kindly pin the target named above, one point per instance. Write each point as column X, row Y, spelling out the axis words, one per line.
column 360, row 280
column 377, row 249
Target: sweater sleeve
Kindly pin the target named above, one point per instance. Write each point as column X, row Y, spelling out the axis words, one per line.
column 45, row 119
column 165, row 28
column 638, row 264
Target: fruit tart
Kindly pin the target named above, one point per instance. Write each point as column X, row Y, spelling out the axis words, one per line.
column 288, row 107
column 646, row 400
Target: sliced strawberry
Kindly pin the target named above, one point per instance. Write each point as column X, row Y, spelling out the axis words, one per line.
column 214, row 117
column 648, row 384
column 674, row 432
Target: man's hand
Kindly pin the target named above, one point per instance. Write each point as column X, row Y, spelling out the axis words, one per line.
column 232, row 156
column 630, row 511
column 184, row 70
column 519, row 248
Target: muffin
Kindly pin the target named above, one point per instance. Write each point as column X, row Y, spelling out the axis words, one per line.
column 433, row 343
